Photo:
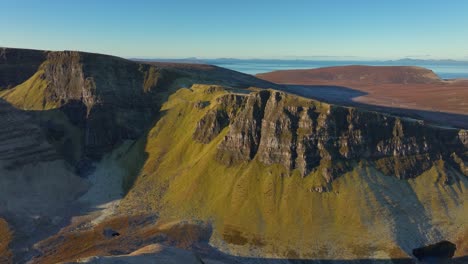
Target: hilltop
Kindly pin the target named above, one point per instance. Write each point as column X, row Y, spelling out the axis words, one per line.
column 356, row 74
column 401, row 90
column 102, row 156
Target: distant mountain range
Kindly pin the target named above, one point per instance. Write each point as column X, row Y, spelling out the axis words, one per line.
column 403, row 61
column 446, row 68
column 106, row 160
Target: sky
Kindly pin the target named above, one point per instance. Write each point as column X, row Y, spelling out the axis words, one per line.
column 241, row 29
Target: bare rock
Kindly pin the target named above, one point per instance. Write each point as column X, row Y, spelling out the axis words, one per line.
column 440, row 252
column 306, row 135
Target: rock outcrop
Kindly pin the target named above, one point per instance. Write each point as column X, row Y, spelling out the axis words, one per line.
column 21, row 139
column 215, row 152
column 109, row 98
column 17, row 65
column 307, row 135
column 440, row 252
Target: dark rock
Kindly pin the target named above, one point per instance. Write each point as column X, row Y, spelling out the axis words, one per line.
column 53, row 130
column 435, row 253
column 84, row 167
column 76, row 111
column 211, row 125
column 159, row 238
column 23, row 140
column 319, row 189
column 109, row 233
column 18, row 65
column 243, row 139
column 109, row 98
column 201, row 104
column 306, row 135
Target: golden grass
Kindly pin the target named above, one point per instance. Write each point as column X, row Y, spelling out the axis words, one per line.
column 30, row 95
column 265, row 208
column 134, row 232
column 252, row 202
column 6, row 237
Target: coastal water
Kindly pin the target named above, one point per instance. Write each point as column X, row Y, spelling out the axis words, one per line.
column 445, row 69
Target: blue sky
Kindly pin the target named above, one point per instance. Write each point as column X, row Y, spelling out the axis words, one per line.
column 241, row 29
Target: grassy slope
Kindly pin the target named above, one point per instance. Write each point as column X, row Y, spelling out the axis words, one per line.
column 29, row 95
column 254, row 206
column 5, row 239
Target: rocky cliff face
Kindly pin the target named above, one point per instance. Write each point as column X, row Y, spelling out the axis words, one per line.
column 104, row 97
column 214, row 153
column 289, row 176
column 109, row 99
column 21, row 139
column 306, row 135
column 17, row 65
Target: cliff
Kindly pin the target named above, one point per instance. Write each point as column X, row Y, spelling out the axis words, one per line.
column 307, row 135
column 110, row 99
column 90, row 143
column 17, row 65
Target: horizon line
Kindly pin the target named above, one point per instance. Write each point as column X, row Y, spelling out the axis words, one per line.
column 278, row 58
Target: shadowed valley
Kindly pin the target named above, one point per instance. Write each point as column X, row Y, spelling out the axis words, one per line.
column 104, row 159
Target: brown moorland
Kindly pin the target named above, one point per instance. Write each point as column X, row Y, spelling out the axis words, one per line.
column 120, row 235
column 399, row 89
column 5, row 239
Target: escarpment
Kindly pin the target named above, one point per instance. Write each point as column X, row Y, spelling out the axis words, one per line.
column 17, row 65
column 21, row 139
column 307, row 135
column 108, row 99
column 90, row 143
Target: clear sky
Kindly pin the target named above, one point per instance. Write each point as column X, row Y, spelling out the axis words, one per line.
column 378, row 29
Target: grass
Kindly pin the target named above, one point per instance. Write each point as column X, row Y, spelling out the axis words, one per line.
column 252, row 202
column 268, row 210
column 30, row 95
column 135, row 232
column 6, row 237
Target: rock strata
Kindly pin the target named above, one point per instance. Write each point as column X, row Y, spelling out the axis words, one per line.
column 306, row 135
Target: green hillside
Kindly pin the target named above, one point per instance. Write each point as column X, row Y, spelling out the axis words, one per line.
column 91, row 142
column 271, row 211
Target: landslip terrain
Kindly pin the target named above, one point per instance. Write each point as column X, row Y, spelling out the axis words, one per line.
column 107, row 160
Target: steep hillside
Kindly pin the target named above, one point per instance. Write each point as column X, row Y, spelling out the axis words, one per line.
column 35, row 178
column 284, row 176
column 61, row 114
column 103, row 156
column 17, row 65
column 110, row 98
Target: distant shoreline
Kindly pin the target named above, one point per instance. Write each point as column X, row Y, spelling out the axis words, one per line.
column 446, row 69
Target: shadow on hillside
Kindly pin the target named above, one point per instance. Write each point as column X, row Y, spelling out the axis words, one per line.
column 92, row 129
column 345, row 96
column 211, row 253
column 239, row 260
column 29, row 230
column 410, row 219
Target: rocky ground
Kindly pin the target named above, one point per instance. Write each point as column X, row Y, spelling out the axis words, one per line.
column 105, row 160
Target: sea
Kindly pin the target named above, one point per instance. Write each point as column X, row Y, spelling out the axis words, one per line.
column 446, row 69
